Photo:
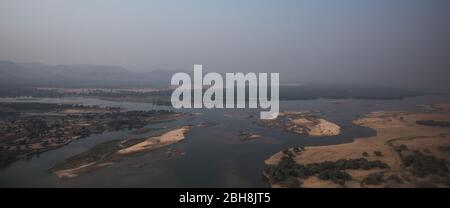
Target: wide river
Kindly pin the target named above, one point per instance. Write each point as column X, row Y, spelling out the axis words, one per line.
column 209, row 156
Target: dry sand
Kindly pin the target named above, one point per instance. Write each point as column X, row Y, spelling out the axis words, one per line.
column 393, row 129
column 167, row 138
column 318, row 127
column 301, row 122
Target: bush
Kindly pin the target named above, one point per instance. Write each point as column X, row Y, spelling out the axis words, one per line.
column 378, row 153
column 374, row 179
column 291, row 182
column 335, row 176
column 396, row 179
column 400, row 149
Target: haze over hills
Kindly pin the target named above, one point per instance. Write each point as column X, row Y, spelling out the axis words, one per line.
column 78, row 75
column 19, row 79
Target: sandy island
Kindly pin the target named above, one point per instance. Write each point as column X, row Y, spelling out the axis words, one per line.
column 165, row 139
column 104, row 154
column 303, row 123
column 416, row 155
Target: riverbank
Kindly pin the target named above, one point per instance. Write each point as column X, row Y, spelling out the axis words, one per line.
column 404, row 153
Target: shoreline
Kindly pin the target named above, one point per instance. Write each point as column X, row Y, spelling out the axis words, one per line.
column 399, row 138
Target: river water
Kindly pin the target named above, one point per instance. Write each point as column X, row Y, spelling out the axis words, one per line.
column 209, row 156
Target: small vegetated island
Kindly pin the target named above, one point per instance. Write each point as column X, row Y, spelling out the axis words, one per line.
column 302, row 123
column 28, row 129
column 410, row 149
column 248, row 136
column 106, row 153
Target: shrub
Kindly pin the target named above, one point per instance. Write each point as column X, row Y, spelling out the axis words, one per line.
column 395, row 178
column 378, row 153
column 291, row 182
column 374, row 179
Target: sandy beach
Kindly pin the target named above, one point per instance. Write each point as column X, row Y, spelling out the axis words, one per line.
column 300, row 122
column 156, row 142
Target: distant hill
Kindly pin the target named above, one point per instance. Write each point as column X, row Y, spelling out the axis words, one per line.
column 28, row 75
column 42, row 75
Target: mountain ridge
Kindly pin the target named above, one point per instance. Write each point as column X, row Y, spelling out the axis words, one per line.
column 78, row 75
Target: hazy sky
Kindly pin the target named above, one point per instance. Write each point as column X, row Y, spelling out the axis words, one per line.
column 382, row 41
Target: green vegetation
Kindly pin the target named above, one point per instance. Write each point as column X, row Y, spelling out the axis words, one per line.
column 422, row 165
column 336, row 176
column 287, row 168
column 31, row 128
column 98, row 153
column 374, row 179
column 144, row 130
column 395, row 178
column 434, row 123
column 291, row 182
column 378, row 153
column 35, row 107
column 102, row 153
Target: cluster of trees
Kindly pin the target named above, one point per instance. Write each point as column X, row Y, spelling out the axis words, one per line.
column 422, row 165
column 374, row 179
column 132, row 119
column 287, row 168
column 337, row 176
column 36, row 127
column 434, row 123
column 20, row 107
column 41, row 107
column 395, row 179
